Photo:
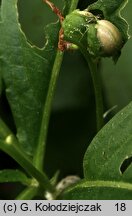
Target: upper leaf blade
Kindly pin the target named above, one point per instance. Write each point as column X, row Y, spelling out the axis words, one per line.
column 109, row 150
column 26, row 73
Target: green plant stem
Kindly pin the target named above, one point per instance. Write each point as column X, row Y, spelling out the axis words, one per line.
column 97, row 88
column 4, row 130
column 10, row 145
column 15, row 152
column 40, row 151
column 98, row 94
column 27, row 194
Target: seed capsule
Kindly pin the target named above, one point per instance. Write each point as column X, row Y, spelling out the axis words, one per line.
column 109, row 37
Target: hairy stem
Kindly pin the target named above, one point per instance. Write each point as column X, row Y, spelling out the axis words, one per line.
column 40, row 151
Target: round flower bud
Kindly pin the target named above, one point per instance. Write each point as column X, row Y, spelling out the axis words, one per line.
column 97, row 37
column 109, row 37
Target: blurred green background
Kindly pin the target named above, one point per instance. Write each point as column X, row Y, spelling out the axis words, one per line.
column 72, row 124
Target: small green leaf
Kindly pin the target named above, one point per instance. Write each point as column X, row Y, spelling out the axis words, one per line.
column 109, row 155
column 26, row 74
column 99, row 190
column 14, row 176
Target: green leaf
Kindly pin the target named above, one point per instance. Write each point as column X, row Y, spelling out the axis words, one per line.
column 109, row 155
column 112, row 11
column 14, row 176
column 107, row 162
column 26, row 73
column 96, row 190
column 34, row 16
